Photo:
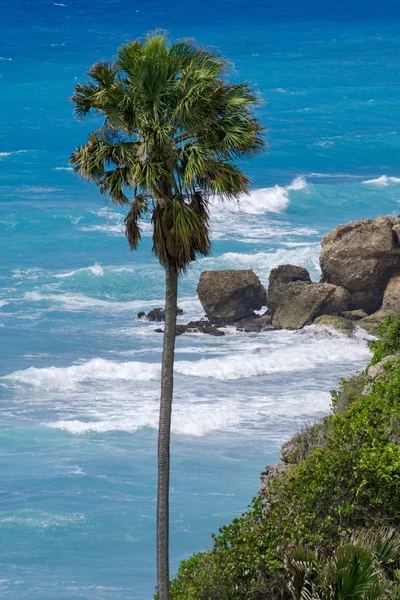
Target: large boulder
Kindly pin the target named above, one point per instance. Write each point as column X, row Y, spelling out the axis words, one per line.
column 228, row 296
column 278, row 280
column 390, row 306
column 337, row 302
column 301, row 303
column 338, row 323
column 361, row 256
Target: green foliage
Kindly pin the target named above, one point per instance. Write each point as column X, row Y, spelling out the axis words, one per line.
column 346, row 479
column 361, row 568
column 349, row 392
column 388, row 341
column 171, row 128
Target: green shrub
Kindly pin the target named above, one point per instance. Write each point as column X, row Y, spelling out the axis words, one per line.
column 388, row 341
column 347, row 479
column 349, row 392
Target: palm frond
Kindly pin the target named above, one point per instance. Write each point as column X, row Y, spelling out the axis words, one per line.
column 137, row 211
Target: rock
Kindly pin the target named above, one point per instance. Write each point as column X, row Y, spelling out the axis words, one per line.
column 272, row 472
column 157, row 314
column 361, row 256
column 368, row 300
column 255, row 324
column 396, row 229
column 339, row 323
column 289, row 453
column 228, row 296
column 302, row 301
column 354, row 315
column 379, row 369
column 391, row 297
column 336, row 302
column 196, row 327
column 279, row 278
column 390, row 306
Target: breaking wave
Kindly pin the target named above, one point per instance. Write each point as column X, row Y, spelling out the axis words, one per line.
column 384, row 180
column 95, row 269
column 96, row 369
column 274, row 200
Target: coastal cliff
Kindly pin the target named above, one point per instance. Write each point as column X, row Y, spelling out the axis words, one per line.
column 338, row 480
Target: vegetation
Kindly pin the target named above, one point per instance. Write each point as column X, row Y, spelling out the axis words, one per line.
column 170, row 128
column 342, row 482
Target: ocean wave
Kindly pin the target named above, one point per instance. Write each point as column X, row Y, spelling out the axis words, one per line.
column 95, row 269
column 63, row 169
column 286, row 360
column 3, row 303
column 77, row 302
column 384, row 180
column 96, row 369
column 274, row 200
column 5, row 154
column 197, row 417
column 309, row 352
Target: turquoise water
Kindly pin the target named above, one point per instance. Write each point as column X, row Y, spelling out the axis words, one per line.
column 79, row 373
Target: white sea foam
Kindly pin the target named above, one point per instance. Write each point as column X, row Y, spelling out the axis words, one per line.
column 96, row 369
column 286, row 360
column 63, row 168
column 384, row 180
column 5, row 58
column 195, row 416
column 95, row 269
column 5, row 154
column 309, row 352
column 3, row 303
column 274, row 200
column 77, row 302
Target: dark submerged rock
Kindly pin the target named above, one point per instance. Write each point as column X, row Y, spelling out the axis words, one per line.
column 157, row 314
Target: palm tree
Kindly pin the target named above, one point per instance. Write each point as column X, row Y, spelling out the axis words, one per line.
column 170, row 128
column 361, row 568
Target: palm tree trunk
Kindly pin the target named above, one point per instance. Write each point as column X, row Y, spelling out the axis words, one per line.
column 164, row 432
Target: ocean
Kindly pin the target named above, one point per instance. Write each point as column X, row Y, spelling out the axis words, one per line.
column 79, row 373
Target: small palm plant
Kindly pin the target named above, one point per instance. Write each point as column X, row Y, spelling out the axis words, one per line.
column 362, row 568
column 171, row 127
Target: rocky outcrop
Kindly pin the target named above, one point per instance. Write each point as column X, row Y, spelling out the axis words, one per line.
column 360, row 284
column 295, row 300
column 303, row 301
column 157, row 314
column 228, row 296
column 354, row 315
column 196, row 327
column 272, row 472
column 337, row 302
column 390, row 306
column 377, row 371
column 278, row 280
column 362, row 256
column 338, row 323
column 253, row 324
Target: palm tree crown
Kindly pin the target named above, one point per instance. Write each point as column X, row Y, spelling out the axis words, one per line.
column 172, row 127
